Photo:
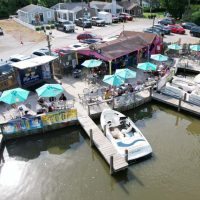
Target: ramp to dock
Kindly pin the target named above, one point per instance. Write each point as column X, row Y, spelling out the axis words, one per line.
column 104, row 146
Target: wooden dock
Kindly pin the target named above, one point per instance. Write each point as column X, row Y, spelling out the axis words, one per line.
column 177, row 103
column 105, row 147
column 190, row 66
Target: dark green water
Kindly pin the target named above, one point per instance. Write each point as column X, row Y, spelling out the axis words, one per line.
column 61, row 165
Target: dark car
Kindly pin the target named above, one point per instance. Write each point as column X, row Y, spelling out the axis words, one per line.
column 96, row 21
column 167, row 21
column 188, row 25
column 154, row 31
column 64, row 25
column 88, row 35
column 1, row 31
column 82, row 22
column 166, row 30
column 195, row 31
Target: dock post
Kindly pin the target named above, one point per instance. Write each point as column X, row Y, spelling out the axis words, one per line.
column 151, row 91
column 91, row 138
column 113, row 103
column 88, row 110
column 111, row 165
column 126, row 155
column 185, row 95
column 104, row 129
column 179, row 105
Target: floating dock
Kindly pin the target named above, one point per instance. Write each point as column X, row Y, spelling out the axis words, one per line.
column 177, row 103
column 104, row 146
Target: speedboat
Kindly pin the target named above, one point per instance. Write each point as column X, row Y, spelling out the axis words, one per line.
column 124, row 135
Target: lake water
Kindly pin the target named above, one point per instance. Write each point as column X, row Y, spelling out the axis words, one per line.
column 61, row 165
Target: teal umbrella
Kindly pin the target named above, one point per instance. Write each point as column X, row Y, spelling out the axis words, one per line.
column 159, row 57
column 113, row 80
column 92, row 63
column 49, row 90
column 125, row 73
column 174, row 47
column 147, row 66
column 195, row 47
column 14, row 96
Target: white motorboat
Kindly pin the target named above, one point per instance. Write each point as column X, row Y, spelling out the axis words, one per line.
column 124, row 135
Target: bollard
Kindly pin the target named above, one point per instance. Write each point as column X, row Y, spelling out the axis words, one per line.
column 91, row 138
column 179, row 105
column 126, row 155
column 111, row 165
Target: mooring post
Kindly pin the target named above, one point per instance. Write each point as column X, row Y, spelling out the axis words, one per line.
column 113, row 103
column 126, row 155
column 91, row 138
column 111, row 165
column 179, row 105
column 185, row 95
column 151, row 91
column 104, row 129
column 88, row 110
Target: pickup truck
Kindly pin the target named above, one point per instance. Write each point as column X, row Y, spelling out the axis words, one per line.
column 64, row 25
column 96, row 21
column 82, row 22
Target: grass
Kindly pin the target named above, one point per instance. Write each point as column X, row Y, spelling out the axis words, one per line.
column 158, row 14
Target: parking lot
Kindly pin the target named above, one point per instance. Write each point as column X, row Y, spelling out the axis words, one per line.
column 25, row 44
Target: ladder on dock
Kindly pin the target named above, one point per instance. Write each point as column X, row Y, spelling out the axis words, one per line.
column 105, row 147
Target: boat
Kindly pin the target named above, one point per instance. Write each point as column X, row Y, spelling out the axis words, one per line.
column 124, row 135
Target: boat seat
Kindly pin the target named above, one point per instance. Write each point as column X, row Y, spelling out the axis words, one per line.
column 115, row 132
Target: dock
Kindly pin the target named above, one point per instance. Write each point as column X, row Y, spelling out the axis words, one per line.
column 189, row 65
column 180, row 104
column 104, row 146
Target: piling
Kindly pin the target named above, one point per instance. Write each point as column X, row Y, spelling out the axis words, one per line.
column 111, row 165
column 91, row 138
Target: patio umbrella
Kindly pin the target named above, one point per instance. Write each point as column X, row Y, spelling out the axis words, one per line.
column 113, row 80
column 195, row 47
column 49, row 90
column 147, row 66
column 159, row 57
column 14, row 96
column 125, row 73
column 92, row 63
column 174, row 47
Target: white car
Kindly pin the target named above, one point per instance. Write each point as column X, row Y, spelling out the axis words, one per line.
column 18, row 58
column 42, row 52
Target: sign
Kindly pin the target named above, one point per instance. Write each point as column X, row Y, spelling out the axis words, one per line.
column 59, row 117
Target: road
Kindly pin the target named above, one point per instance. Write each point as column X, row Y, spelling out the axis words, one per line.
column 10, row 46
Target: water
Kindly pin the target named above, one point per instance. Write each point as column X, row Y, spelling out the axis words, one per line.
column 61, row 165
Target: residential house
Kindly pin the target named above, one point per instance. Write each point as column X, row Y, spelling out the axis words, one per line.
column 35, row 14
column 150, row 3
column 131, row 7
column 111, row 7
column 72, row 11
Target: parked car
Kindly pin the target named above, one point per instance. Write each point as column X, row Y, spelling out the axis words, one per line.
column 154, row 31
column 195, row 31
column 126, row 16
column 90, row 41
column 1, row 31
column 176, row 28
column 64, row 25
column 166, row 30
column 82, row 22
column 18, row 58
column 42, row 52
column 167, row 21
column 157, row 29
column 88, row 35
column 96, row 21
column 188, row 25
column 115, row 19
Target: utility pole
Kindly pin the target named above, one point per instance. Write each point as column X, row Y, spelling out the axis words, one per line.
column 48, row 37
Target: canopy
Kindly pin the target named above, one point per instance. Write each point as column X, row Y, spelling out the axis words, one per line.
column 147, row 66
column 49, row 90
column 92, row 63
column 14, row 96
column 195, row 47
column 113, row 80
column 174, row 47
column 159, row 57
column 33, row 62
column 125, row 73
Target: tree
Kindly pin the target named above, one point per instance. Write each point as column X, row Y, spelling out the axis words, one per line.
column 174, row 7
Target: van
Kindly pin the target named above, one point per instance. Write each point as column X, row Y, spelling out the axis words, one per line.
column 107, row 17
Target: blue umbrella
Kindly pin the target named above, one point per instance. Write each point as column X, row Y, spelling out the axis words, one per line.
column 159, row 57
column 174, row 47
column 195, row 47
column 113, row 80
column 92, row 63
column 147, row 66
column 14, row 96
column 49, row 90
column 125, row 73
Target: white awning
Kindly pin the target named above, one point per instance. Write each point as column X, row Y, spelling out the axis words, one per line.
column 33, row 62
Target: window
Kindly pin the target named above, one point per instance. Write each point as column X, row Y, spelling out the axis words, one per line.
column 49, row 14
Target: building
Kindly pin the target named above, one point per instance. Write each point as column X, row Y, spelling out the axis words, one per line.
column 35, row 14
column 72, row 11
column 150, row 3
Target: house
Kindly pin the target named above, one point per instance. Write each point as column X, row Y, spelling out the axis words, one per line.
column 150, row 3
column 35, row 14
column 72, row 11
column 131, row 7
column 111, row 7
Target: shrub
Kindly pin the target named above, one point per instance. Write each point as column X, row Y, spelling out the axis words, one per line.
column 52, row 26
column 37, row 28
column 48, row 27
column 42, row 27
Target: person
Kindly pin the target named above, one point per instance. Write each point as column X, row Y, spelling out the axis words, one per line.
column 107, row 94
column 52, row 99
column 63, row 97
column 26, row 114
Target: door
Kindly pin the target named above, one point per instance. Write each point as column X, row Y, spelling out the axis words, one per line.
column 41, row 17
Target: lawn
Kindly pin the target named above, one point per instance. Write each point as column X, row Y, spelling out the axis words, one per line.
column 158, row 14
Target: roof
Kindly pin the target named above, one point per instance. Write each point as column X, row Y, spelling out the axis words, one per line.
column 33, row 62
column 128, row 42
column 103, row 5
column 32, row 8
column 74, row 6
column 128, row 5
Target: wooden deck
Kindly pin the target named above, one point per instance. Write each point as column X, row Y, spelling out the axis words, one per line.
column 190, row 66
column 103, row 145
column 179, row 104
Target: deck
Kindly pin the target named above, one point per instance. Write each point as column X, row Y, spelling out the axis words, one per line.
column 192, row 66
column 177, row 103
column 104, row 146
